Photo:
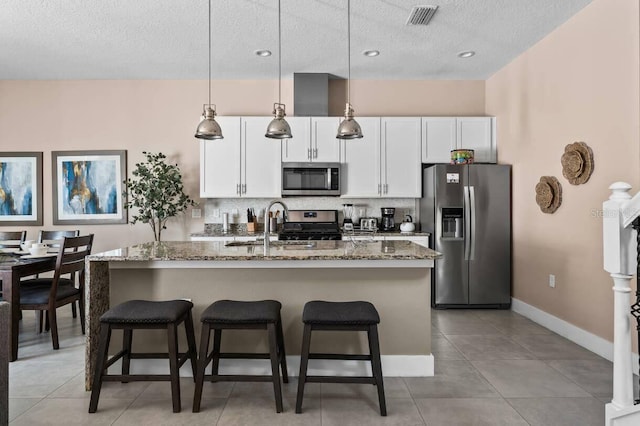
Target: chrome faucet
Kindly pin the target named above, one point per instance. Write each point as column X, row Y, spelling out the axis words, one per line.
column 266, row 221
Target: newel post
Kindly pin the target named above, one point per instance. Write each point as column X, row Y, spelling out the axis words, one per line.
column 619, row 261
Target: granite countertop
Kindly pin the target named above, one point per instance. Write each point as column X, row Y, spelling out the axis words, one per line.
column 279, row 250
column 242, row 232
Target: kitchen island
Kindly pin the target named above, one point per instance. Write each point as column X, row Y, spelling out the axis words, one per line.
column 393, row 275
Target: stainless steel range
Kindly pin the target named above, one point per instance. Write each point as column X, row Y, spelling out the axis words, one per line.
column 311, row 225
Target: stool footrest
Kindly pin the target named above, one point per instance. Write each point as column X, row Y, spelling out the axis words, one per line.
column 237, row 378
column 136, row 377
column 240, row 355
column 340, row 379
column 341, row 357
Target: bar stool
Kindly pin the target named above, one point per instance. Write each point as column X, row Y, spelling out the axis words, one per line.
column 341, row 316
column 232, row 314
column 143, row 314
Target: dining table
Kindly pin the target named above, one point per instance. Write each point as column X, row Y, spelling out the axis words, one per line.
column 13, row 267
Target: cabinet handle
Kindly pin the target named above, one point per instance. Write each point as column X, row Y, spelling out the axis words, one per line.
column 315, row 153
column 379, row 190
column 309, row 153
column 237, row 188
column 386, row 188
column 244, row 188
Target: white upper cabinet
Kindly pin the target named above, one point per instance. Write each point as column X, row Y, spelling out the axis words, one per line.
column 298, row 148
column 314, row 140
column 261, row 160
column 361, row 161
column 220, row 161
column 401, row 166
column 386, row 161
column 243, row 164
column 440, row 135
column 438, row 139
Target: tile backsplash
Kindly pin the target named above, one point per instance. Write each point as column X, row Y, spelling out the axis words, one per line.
column 236, row 208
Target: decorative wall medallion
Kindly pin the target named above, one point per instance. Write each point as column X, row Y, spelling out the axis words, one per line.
column 577, row 163
column 548, row 194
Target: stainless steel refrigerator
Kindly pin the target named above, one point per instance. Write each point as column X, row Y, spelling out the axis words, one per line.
column 467, row 210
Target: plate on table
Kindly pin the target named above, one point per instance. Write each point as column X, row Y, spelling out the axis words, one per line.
column 7, row 250
column 20, row 252
column 37, row 256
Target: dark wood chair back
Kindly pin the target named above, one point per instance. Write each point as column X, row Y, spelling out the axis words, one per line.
column 54, row 238
column 12, row 239
column 71, row 258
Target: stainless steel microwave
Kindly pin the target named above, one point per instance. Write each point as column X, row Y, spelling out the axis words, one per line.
column 310, row 179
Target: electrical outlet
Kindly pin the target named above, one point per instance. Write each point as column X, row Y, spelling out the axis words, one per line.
column 552, row 281
column 196, row 213
column 216, row 212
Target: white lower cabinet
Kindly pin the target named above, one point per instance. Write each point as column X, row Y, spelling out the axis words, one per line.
column 422, row 240
column 243, row 164
column 440, row 135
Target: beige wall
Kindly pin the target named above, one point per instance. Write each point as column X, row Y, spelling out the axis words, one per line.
column 162, row 116
column 580, row 83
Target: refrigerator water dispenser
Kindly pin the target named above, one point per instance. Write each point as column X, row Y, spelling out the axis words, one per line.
column 452, row 222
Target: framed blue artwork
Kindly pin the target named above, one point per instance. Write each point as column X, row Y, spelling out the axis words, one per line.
column 87, row 187
column 20, row 188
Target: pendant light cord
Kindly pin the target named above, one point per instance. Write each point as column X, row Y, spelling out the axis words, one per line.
column 209, row 53
column 279, row 57
column 349, row 51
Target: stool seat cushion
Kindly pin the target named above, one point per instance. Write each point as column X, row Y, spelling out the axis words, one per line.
column 241, row 312
column 147, row 312
column 340, row 313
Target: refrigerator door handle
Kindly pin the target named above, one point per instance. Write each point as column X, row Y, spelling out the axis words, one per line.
column 467, row 222
column 472, row 237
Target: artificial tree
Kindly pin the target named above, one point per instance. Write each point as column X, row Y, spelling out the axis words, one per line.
column 157, row 192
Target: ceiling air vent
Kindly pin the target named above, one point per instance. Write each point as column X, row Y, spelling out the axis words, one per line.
column 421, row 15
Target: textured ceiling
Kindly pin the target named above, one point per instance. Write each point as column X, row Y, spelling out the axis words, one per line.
column 167, row 39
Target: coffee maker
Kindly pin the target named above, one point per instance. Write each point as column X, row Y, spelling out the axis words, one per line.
column 387, row 223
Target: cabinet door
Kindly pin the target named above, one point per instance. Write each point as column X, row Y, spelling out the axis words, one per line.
column 422, row 240
column 401, row 165
column 325, row 147
column 220, row 162
column 438, row 139
column 298, row 148
column 477, row 133
column 361, row 161
column 261, row 160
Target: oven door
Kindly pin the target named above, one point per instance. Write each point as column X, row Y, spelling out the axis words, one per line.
column 310, row 179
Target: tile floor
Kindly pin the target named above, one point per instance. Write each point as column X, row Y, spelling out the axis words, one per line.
column 492, row 368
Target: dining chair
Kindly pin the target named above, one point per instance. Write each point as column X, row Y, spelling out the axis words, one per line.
column 12, row 239
column 53, row 240
column 48, row 294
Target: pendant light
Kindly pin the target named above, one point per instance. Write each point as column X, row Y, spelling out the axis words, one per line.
column 208, row 128
column 279, row 128
column 349, row 128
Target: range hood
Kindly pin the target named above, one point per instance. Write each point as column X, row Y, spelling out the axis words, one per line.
column 311, row 94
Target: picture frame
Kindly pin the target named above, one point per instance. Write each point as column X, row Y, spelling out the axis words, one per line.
column 20, row 188
column 88, row 187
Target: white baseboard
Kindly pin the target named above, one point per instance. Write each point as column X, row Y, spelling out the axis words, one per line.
column 392, row 366
column 587, row 340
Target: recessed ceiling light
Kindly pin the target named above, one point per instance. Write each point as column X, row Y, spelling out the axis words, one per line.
column 371, row 53
column 263, row 52
column 466, row 54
